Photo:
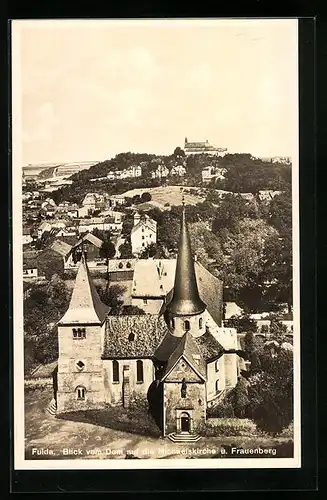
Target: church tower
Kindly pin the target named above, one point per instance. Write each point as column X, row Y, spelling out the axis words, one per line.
column 80, row 339
column 185, row 311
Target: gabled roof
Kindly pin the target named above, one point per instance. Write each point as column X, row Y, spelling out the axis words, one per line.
column 61, row 247
column 188, row 349
column 91, row 238
column 148, row 330
column 145, row 221
column 85, row 305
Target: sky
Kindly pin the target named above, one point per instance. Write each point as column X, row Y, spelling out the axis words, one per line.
column 87, row 90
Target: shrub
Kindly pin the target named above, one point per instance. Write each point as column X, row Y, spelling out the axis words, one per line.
column 224, row 409
column 229, row 427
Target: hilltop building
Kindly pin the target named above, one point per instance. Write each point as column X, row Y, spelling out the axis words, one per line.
column 193, row 148
column 181, row 359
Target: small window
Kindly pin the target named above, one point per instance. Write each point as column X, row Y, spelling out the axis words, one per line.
column 217, row 386
column 131, row 337
column 115, row 371
column 142, row 244
column 120, row 265
column 217, row 366
column 79, row 333
column 150, row 235
column 128, row 265
column 80, row 393
column 139, row 371
column 187, row 325
column 172, row 322
column 80, row 365
column 200, row 323
column 145, row 301
column 142, row 237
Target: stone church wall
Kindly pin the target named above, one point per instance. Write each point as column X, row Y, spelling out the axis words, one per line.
column 174, row 405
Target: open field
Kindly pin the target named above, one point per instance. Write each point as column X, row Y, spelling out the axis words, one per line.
column 168, row 194
column 115, row 432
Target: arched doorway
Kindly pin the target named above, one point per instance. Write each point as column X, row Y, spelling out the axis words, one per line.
column 185, row 422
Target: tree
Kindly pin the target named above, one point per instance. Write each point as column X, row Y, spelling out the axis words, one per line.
column 107, row 250
column 242, row 323
column 125, row 250
column 146, row 197
column 149, row 251
column 136, row 199
column 239, row 398
column 179, row 152
column 111, row 296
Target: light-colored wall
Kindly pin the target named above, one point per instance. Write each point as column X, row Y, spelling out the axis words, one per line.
column 179, row 328
column 114, row 390
column 136, row 238
column 213, row 376
column 174, row 405
column 88, row 351
column 152, row 306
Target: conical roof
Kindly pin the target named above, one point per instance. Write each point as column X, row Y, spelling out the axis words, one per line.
column 186, row 299
column 85, row 305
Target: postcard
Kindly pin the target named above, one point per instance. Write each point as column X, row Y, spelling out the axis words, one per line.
column 156, row 244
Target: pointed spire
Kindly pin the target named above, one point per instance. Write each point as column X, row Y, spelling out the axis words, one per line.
column 85, row 305
column 186, row 299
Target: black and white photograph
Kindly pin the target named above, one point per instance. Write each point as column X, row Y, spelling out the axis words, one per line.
column 156, row 244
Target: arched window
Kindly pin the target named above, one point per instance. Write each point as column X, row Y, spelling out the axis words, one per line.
column 120, row 265
column 217, row 365
column 115, row 371
column 80, row 392
column 129, row 265
column 200, row 323
column 186, row 324
column 131, row 337
column 172, row 322
column 139, row 371
column 217, row 386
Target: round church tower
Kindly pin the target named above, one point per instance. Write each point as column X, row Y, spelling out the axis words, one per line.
column 185, row 310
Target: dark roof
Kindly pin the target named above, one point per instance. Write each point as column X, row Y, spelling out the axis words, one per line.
column 186, row 298
column 166, row 346
column 148, row 329
column 187, row 348
column 210, row 290
column 209, row 346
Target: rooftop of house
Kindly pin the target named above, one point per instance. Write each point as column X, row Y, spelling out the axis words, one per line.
column 91, row 238
column 61, row 247
column 133, row 336
column 145, row 221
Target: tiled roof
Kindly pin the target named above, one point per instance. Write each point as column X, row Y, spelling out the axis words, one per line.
column 91, row 238
column 209, row 346
column 61, row 247
column 148, row 329
column 188, row 348
column 85, row 305
column 145, row 221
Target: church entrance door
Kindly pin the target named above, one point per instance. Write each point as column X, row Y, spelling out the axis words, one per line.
column 185, row 422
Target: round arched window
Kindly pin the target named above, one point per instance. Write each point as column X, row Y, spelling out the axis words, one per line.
column 128, row 265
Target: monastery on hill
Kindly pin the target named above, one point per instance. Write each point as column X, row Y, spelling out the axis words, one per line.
column 179, row 357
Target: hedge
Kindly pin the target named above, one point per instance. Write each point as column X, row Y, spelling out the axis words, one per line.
column 229, row 427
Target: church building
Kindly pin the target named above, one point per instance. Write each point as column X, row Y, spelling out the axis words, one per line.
column 178, row 358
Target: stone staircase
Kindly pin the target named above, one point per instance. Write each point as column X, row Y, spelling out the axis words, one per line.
column 52, row 407
column 183, row 437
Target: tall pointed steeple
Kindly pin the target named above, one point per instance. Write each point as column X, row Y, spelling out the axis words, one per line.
column 186, row 299
column 85, row 305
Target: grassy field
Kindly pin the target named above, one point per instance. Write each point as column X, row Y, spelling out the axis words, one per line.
column 115, row 433
column 167, row 194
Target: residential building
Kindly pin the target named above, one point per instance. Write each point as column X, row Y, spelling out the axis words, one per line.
column 27, row 235
column 210, row 173
column 144, row 232
column 67, row 209
column 179, row 170
column 180, row 359
column 111, row 223
column 161, row 172
column 192, row 148
column 132, row 171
